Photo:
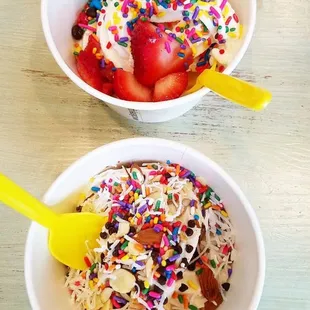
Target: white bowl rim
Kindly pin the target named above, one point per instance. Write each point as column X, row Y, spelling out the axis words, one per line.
column 151, row 141
column 145, row 106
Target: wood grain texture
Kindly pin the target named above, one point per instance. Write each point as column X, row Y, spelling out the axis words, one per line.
column 46, row 123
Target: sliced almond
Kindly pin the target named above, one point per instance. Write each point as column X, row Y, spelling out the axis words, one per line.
column 123, row 229
column 210, row 289
column 148, row 236
column 172, row 209
column 155, row 179
column 107, row 305
column 154, row 195
column 123, row 281
column 186, row 202
column 132, row 249
column 106, row 294
column 148, row 267
column 135, row 305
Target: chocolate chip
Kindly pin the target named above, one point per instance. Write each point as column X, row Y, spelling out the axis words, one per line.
column 226, row 286
column 191, row 223
column 107, row 225
column 183, row 288
column 102, row 256
column 189, row 232
column 112, row 230
column 79, row 209
column 77, row 32
column 103, row 235
column 91, row 12
column 192, row 267
column 140, row 284
column 161, row 270
column 189, row 248
column 115, row 253
column 184, row 262
column 180, row 275
column 154, row 255
column 166, row 300
column 178, row 249
column 158, row 290
column 132, row 230
column 162, row 280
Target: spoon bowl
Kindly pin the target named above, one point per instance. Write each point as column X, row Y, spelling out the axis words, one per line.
column 70, row 234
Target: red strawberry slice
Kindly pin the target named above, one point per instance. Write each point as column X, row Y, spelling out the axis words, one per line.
column 107, row 73
column 128, row 88
column 88, row 68
column 93, row 45
column 82, row 18
column 170, row 87
column 152, row 61
column 107, row 88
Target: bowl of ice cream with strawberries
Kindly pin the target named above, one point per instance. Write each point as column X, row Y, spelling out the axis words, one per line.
column 142, row 56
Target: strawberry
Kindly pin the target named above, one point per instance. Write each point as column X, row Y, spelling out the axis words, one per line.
column 152, row 61
column 92, row 44
column 107, row 73
column 171, row 86
column 88, row 68
column 107, row 88
column 128, row 88
column 82, row 18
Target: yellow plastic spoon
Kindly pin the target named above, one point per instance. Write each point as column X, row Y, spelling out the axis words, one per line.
column 68, row 233
column 233, row 89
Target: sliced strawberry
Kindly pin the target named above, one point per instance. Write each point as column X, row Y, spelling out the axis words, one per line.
column 88, row 68
column 107, row 88
column 152, row 60
column 92, row 44
column 170, row 87
column 107, row 73
column 128, row 88
column 82, row 18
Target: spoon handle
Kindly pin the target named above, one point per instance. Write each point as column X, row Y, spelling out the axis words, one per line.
column 18, row 199
column 235, row 90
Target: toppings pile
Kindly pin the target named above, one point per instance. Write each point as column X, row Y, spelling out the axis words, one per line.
column 167, row 244
column 131, row 48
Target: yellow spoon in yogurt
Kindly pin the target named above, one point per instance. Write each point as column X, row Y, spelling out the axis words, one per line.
column 233, row 89
column 68, row 233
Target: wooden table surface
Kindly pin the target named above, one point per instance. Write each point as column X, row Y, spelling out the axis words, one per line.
column 46, row 123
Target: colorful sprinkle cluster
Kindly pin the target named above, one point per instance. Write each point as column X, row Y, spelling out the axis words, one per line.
column 165, row 229
column 201, row 25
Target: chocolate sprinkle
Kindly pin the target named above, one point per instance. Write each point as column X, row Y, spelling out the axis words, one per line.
column 191, row 223
column 103, row 235
column 189, row 232
column 189, row 248
column 180, row 275
column 77, row 32
column 161, row 280
column 178, row 249
column 183, row 288
column 192, row 267
column 184, row 262
column 91, row 12
column 226, row 286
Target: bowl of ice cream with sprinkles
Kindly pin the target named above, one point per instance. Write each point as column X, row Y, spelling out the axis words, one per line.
column 142, row 56
column 179, row 234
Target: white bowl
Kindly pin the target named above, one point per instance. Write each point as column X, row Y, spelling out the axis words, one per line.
column 58, row 16
column 45, row 276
